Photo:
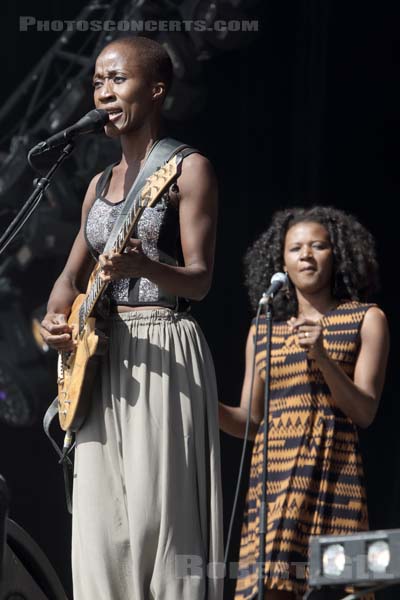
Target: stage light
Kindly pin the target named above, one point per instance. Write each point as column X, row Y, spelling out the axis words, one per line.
column 378, row 557
column 361, row 559
column 334, row 560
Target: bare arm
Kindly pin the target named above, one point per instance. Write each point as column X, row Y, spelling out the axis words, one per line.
column 358, row 399
column 198, row 217
column 232, row 419
column 71, row 282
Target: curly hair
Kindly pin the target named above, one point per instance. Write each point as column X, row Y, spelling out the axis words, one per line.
column 355, row 268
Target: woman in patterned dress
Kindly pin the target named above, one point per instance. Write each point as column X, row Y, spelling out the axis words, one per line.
column 329, row 354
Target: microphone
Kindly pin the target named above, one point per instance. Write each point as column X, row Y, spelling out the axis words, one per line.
column 93, row 121
column 278, row 281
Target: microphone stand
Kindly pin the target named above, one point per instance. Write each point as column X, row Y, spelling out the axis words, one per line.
column 263, row 505
column 33, row 201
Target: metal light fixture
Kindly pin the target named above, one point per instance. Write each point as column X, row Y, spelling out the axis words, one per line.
column 333, row 560
column 379, row 557
column 365, row 559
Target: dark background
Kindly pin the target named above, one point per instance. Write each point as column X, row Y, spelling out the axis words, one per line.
column 307, row 113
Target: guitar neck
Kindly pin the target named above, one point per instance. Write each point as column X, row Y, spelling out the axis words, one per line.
column 98, row 286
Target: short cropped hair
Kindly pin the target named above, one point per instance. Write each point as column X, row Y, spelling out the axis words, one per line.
column 154, row 59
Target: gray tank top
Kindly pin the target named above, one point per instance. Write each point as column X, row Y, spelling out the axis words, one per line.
column 158, row 230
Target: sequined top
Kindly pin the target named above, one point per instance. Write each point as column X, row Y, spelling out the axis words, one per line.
column 158, row 230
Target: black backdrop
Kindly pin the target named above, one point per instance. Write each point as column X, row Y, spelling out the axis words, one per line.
column 307, row 113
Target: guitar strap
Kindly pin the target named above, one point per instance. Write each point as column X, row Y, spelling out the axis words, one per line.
column 160, row 153
column 65, row 461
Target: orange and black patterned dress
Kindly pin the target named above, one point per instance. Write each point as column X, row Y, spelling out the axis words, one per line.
column 315, row 475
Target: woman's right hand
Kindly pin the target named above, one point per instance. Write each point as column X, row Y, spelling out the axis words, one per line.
column 56, row 332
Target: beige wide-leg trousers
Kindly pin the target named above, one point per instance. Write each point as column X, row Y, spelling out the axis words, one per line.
column 147, row 518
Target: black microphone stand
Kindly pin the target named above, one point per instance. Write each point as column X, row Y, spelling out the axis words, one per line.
column 263, row 505
column 33, row 201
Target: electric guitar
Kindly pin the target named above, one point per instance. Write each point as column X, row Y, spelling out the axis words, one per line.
column 76, row 369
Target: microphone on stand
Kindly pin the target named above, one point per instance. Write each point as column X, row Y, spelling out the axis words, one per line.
column 93, row 121
column 278, row 282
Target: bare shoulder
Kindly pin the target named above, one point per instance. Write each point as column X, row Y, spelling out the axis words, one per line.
column 374, row 323
column 196, row 160
column 91, row 191
column 374, row 315
column 197, row 167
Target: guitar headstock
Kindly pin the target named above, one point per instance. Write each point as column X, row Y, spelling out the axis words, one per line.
column 158, row 181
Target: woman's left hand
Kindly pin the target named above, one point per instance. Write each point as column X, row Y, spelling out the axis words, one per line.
column 310, row 336
column 130, row 264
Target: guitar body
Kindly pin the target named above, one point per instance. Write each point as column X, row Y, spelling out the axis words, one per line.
column 76, row 370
